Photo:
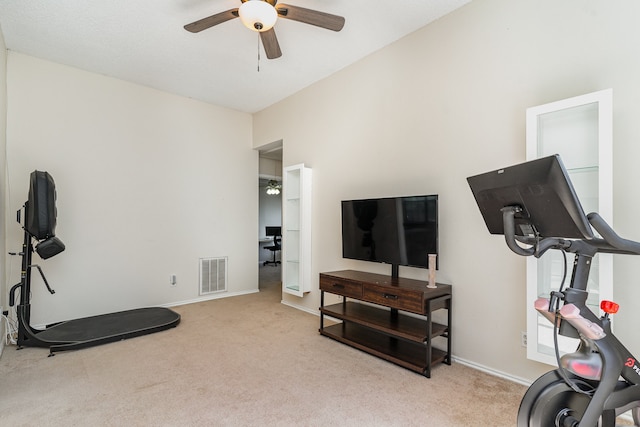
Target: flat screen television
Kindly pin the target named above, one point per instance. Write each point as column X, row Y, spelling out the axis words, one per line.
column 401, row 231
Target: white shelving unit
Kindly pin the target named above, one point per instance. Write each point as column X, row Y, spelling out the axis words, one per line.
column 580, row 129
column 296, row 231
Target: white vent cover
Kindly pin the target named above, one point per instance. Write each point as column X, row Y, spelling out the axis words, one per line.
column 213, row 275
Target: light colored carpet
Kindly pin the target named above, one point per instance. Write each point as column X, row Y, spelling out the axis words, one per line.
column 242, row 361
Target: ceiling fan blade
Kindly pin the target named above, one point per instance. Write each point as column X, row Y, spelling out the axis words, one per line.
column 313, row 17
column 210, row 21
column 270, row 43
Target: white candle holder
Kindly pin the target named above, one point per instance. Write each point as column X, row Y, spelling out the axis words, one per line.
column 432, row 271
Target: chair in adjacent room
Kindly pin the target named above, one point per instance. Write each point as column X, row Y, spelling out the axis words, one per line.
column 276, row 232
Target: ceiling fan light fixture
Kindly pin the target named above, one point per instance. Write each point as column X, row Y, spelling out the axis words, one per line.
column 258, row 15
column 273, row 188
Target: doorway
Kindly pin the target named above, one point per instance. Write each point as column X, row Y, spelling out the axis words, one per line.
column 269, row 216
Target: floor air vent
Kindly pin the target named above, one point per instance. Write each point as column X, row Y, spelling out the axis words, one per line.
column 213, row 275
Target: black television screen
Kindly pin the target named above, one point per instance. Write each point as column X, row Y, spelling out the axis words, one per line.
column 394, row 230
column 41, row 206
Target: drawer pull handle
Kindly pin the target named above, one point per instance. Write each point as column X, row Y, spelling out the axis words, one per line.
column 390, row 296
column 338, row 286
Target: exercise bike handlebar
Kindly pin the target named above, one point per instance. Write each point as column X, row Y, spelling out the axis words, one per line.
column 610, row 242
column 509, row 225
column 619, row 244
column 537, row 246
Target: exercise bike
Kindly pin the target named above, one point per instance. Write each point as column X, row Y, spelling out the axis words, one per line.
column 535, row 207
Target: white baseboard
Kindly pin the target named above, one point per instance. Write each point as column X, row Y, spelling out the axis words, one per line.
column 492, row 371
column 210, row 297
column 301, row 308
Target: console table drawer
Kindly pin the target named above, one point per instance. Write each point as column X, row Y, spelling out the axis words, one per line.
column 401, row 299
column 341, row 287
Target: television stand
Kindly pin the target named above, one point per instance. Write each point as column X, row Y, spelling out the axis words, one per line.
column 384, row 328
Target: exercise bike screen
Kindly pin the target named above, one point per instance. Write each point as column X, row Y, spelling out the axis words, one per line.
column 542, row 189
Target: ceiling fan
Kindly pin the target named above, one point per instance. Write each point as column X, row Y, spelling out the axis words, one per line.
column 261, row 16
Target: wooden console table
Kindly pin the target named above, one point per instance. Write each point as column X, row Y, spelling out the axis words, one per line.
column 382, row 329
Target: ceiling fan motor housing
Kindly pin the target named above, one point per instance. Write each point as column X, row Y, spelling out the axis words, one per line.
column 258, row 15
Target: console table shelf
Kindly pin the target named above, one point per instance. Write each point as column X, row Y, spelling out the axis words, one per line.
column 384, row 329
column 409, row 328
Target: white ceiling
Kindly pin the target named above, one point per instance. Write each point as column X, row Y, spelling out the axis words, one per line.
column 144, row 42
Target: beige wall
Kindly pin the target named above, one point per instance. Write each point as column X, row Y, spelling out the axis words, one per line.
column 147, row 184
column 448, row 102
column 3, row 143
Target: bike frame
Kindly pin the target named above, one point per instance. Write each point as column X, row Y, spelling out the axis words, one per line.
column 611, row 392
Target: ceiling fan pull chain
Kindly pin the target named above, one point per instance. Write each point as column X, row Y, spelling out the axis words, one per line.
column 258, row 52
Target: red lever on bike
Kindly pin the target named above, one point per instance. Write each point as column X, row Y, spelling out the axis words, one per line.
column 609, row 307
